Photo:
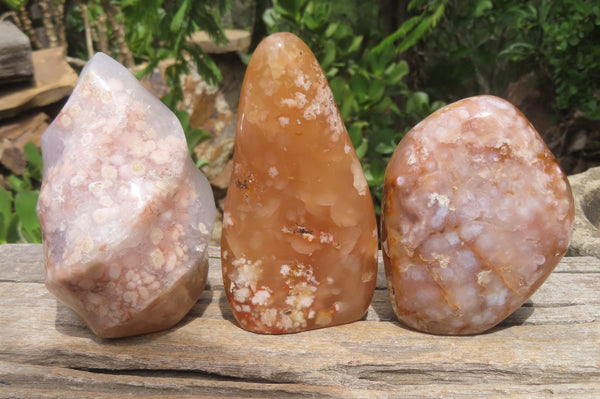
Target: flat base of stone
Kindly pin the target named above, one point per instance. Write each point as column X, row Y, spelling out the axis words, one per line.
column 53, row 80
column 586, row 231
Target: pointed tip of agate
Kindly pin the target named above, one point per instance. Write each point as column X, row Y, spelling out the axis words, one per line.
column 283, row 48
column 101, row 61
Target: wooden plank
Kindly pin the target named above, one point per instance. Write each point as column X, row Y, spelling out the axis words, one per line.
column 50, row 382
column 551, row 345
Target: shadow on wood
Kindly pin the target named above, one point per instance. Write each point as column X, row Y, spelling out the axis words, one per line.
column 67, row 322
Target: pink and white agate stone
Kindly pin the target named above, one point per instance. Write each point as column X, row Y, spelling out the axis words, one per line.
column 126, row 217
column 476, row 214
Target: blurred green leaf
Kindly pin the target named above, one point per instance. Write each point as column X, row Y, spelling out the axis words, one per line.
column 270, row 17
column 396, row 71
column 184, row 119
column 401, row 32
column 359, row 84
column 362, row 148
column 17, row 184
column 481, row 7
column 355, row 132
column 343, row 31
column 195, row 137
column 290, row 8
column 329, row 55
column 355, row 44
column 33, row 155
column 25, row 207
column 201, row 162
column 331, row 29
column 5, row 213
column 5, row 203
column 417, row 103
column 12, row 232
column 385, row 148
column 25, row 204
column 177, row 20
column 14, row 4
column 376, row 90
column 316, row 14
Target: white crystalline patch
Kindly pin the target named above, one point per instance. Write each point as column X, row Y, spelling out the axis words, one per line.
column 268, row 317
column 157, row 258
column 273, row 172
column 203, row 229
column 303, row 81
column 463, row 113
column 299, row 101
column 311, row 112
column 359, row 181
column 443, row 260
column 283, row 121
column 325, row 238
column 227, row 220
column 483, row 277
column 412, row 159
column 156, row 235
column 471, row 230
column 261, row 297
column 86, row 139
column 308, row 237
column 347, row 148
column 114, row 271
column 497, row 298
column 452, row 238
column 285, row 270
column 442, row 200
column 303, row 297
column 248, row 272
column 241, row 294
column 415, row 273
column 108, row 172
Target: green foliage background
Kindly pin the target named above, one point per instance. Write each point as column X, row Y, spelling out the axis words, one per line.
column 387, row 72
column 365, row 68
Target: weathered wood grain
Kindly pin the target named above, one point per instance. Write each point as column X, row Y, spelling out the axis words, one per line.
column 551, row 345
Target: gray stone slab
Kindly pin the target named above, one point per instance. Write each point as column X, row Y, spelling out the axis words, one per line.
column 586, row 232
column 16, row 64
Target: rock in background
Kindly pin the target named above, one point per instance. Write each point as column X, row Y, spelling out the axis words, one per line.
column 586, row 232
column 16, row 64
column 212, row 108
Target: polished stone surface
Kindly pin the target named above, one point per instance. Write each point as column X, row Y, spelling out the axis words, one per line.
column 476, row 214
column 299, row 243
column 125, row 215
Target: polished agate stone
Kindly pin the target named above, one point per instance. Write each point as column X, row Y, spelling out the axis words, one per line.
column 299, row 243
column 125, row 215
column 476, row 214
